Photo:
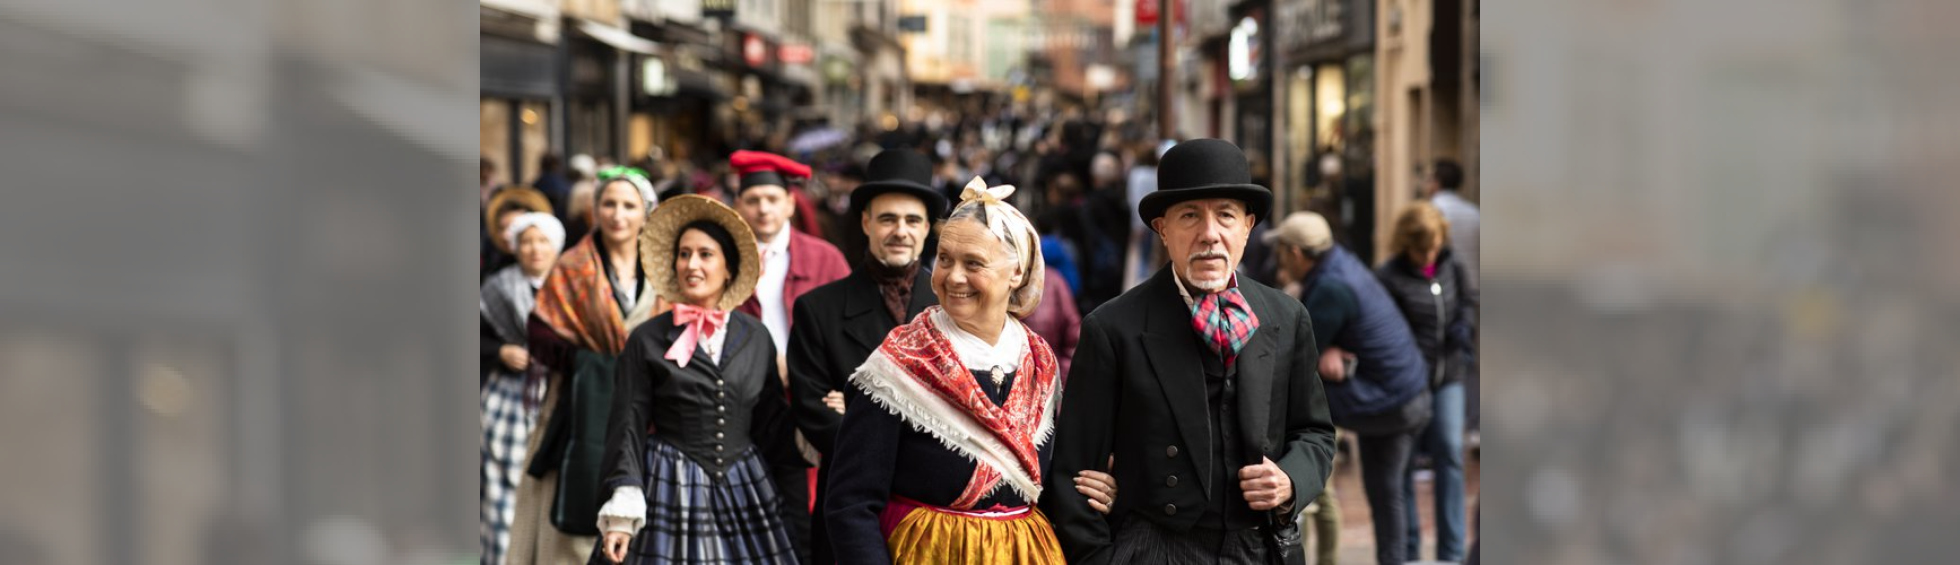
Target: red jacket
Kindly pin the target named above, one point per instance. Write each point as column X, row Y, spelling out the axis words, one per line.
column 813, row 262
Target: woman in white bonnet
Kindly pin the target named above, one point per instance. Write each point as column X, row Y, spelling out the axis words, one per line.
column 510, row 383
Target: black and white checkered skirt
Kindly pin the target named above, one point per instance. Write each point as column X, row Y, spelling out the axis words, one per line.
column 694, row 517
column 507, row 422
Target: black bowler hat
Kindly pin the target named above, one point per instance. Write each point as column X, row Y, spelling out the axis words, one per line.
column 1200, row 169
column 903, row 171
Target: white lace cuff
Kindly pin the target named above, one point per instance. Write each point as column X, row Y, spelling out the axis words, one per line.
column 626, row 512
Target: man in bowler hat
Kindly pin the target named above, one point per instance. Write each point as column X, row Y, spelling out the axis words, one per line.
column 1201, row 383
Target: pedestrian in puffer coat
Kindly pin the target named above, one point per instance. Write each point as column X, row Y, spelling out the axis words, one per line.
column 1431, row 287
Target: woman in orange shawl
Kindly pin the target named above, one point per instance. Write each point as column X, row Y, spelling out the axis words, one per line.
column 597, row 294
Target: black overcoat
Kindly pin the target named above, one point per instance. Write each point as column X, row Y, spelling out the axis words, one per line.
column 1137, row 390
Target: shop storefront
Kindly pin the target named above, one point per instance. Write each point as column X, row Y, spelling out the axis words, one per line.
column 675, row 93
column 1328, row 101
column 1247, row 69
column 519, row 91
column 761, row 100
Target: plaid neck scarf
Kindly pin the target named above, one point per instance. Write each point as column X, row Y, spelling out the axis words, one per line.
column 1225, row 321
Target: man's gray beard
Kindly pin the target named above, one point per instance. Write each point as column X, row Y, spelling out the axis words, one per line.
column 1207, row 286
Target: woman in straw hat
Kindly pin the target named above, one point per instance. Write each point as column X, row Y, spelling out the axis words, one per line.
column 508, row 395
column 700, row 440
column 949, row 424
column 597, row 293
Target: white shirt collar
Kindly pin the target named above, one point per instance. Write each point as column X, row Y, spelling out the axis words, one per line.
column 780, row 244
column 976, row 354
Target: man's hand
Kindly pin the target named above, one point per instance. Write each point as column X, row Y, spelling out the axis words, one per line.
column 514, row 357
column 616, row 546
column 1266, row 486
column 1333, row 367
column 835, row 400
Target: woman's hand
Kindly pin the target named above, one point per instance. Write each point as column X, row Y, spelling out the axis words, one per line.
column 835, row 400
column 515, row 357
column 616, row 543
column 1100, row 487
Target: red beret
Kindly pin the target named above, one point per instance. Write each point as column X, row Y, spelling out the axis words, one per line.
column 746, row 162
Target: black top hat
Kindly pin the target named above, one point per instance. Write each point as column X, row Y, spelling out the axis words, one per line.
column 903, row 171
column 1200, row 169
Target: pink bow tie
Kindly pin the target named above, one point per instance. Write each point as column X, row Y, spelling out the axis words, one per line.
column 701, row 323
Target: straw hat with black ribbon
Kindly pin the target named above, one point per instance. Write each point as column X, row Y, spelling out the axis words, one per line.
column 663, row 229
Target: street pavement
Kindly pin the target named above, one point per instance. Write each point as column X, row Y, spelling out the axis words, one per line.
column 1358, row 536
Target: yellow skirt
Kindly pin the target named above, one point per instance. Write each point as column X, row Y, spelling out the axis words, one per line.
column 929, row 535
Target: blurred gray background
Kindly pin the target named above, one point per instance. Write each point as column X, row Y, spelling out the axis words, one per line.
column 1721, row 286
column 236, row 286
column 236, row 275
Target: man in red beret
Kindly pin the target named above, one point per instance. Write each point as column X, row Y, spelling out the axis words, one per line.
column 792, row 263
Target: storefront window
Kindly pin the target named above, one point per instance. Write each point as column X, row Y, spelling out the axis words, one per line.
column 1330, row 104
column 1360, row 106
column 590, row 128
column 534, row 119
column 495, row 136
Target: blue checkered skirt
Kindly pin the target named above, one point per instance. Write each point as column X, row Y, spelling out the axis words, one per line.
column 694, row 517
column 507, row 424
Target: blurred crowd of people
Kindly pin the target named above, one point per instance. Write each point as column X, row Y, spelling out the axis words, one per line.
column 1396, row 340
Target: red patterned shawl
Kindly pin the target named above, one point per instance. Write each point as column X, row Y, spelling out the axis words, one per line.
column 917, row 376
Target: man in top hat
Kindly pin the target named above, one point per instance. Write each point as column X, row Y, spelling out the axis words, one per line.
column 838, row 325
column 1202, row 384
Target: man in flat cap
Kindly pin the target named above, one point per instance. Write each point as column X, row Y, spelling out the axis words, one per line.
column 1201, row 384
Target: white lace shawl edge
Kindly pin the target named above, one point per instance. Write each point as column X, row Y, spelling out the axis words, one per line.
column 883, row 381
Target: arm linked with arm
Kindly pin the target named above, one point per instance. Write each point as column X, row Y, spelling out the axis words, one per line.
column 861, row 473
column 1084, row 439
column 810, row 379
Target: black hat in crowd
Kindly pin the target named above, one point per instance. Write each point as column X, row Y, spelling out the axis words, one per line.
column 1201, row 169
column 903, row 171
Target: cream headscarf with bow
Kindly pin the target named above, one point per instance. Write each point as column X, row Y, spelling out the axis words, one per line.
column 988, row 206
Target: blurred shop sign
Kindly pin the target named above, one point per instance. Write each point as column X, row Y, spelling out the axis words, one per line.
column 1147, row 12
column 1322, row 28
column 755, row 51
column 912, row 24
column 796, row 54
column 721, row 9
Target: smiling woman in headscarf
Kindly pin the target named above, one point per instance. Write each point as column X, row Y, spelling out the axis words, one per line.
column 949, row 424
column 511, row 381
column 700, row 441
column 596, row 294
